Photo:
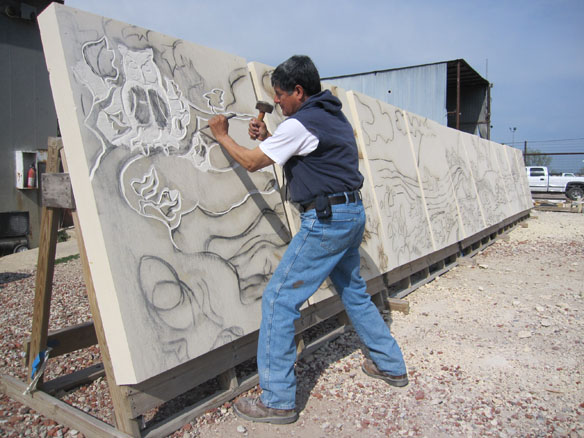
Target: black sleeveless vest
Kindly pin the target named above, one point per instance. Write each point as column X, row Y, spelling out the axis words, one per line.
column 333, row 166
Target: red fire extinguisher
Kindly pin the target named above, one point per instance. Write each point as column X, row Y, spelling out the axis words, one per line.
column 31, row 177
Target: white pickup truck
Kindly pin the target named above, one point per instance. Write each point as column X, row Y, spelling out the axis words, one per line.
column 541, row 181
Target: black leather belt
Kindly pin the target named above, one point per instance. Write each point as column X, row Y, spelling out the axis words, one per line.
column 334, row 200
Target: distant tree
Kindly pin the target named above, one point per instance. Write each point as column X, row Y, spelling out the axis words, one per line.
column 581, row 171
column 537, row 160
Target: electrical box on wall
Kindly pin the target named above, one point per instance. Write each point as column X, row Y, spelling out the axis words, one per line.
column 26, row 170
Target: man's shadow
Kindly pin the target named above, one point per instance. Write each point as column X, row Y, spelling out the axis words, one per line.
column 311, row 367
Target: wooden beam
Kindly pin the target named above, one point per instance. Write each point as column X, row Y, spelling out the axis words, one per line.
column 228, row 380
column 164, row 387
column 56, row 191
column 175, row 422
column 398, row 305
column 67, row 339
column 59, row 411
column 299, row 341
column 45, row 267
column 75, row 379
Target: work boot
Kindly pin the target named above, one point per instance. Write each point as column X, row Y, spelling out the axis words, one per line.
column 371, row 370
column 252, row 409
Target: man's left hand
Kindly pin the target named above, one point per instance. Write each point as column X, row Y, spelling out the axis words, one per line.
column 219, row 126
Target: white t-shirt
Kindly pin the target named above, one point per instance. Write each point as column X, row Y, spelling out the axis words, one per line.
column 291, row 138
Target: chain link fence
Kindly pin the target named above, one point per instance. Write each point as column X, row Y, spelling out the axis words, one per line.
column 559, row 156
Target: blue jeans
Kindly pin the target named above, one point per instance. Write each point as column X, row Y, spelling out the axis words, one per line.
column 321, row 248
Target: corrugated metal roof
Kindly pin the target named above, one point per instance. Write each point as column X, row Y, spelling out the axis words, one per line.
column 468, row 76
column 420, row 89
column 467, row 73
column 429, row 90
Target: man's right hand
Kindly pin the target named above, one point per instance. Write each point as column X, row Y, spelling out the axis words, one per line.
column 257, row 130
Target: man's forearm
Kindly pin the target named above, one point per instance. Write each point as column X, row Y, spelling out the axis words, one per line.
column 250, row 159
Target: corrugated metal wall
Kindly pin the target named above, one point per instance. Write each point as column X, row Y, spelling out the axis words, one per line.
column 27, row 113
column 420, row 90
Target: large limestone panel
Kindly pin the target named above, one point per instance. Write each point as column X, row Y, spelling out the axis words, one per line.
column 180, row 239
column 373, row 259
column 520, row 177
column 382, row 134
column 486, row 175
column 513, row 179
column 513, row 203
column 471, row 210
column 432, row 143
column 496, row 154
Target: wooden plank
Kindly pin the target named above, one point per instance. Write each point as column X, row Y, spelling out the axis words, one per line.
column 75, row 379
column 378, row 300
column 319, row 342
column 375, row 284
column 45, row 267
column 68, row 339
column 57, row 410
column 343, row 318
column 164, row 387
column 228, row 379
column 319, row 312
column 175, row 422
column 56, row 191
column 299, row 341
column 417, row 281
column 558, row 209
column 399, row 305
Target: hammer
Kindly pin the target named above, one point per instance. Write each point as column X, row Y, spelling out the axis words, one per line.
column 264, row 107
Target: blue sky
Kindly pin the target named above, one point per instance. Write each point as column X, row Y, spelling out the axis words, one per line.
column 534, row 49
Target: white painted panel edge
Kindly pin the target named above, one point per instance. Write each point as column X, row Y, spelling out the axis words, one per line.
column 60, row 78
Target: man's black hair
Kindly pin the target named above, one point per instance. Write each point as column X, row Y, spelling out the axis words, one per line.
column 297, row 70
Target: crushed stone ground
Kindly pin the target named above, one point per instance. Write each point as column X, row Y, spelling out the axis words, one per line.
column 494, row 348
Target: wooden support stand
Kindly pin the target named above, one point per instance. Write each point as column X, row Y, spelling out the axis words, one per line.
column 131, row 402
column 38, row 399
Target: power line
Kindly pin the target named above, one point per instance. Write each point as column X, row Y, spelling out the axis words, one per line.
column 554, row 141
column 563, row 140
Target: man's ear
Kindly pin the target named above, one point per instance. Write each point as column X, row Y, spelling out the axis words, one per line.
column 299, row 89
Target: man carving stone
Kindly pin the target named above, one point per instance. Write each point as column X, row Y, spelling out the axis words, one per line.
column 316, row 147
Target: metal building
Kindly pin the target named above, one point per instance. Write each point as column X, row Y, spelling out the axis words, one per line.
column 28, row 119
column 451, row 93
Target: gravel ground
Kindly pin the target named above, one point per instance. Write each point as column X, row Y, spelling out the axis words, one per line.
column 493, row 348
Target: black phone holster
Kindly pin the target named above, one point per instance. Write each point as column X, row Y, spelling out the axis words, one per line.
column 323, row 207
